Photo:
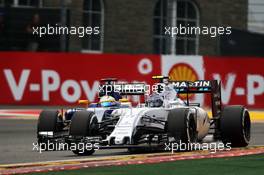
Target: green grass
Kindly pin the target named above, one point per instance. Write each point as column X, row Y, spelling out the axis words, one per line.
column 220, row 166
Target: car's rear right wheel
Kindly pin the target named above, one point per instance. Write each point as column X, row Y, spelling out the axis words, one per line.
column 235, row 126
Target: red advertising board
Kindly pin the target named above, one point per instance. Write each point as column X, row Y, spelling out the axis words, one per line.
column 242, row 79
column 63, row 78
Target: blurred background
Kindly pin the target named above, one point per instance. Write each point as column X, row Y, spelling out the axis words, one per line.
column 134, row 26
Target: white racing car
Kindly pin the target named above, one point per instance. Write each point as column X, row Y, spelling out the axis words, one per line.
column 163, row 118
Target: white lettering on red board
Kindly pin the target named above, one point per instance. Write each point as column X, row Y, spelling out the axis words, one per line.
column 17, row 89
column 254, row 87
column 50, row 83
column 71, row 90
column 226, row 89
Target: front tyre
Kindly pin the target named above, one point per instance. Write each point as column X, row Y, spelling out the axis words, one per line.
column 235, row 126
column 83, row 124
column 49, row 122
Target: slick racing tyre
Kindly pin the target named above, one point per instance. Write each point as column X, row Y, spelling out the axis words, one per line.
column 182, row 126
column 49, row 122
column 235, row 126
column 84, row 123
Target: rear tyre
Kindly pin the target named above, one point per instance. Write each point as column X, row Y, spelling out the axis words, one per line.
column 49, row 121
column 182, row 126
column 83, row 124
column 235, row 126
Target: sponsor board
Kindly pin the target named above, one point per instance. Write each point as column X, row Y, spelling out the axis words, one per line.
column 64, row 78
column 242, row 79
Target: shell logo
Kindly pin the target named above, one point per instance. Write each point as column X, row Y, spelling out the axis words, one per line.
column 183, row 72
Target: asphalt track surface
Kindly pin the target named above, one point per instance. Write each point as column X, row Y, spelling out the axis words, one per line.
column 17, row 138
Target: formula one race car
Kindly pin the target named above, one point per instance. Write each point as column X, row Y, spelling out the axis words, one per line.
column 114, row 123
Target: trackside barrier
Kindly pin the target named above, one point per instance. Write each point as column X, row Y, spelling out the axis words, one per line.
column 51, row 79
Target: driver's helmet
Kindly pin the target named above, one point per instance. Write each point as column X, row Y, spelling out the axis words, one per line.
column 154, row 100
column 166, row 80
column 108, row 101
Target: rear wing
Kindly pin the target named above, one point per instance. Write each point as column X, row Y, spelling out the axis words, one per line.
column 200, row 86
column 213, row 87
column 108, row 80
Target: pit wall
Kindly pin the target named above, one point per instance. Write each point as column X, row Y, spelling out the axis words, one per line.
column 60, row 79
